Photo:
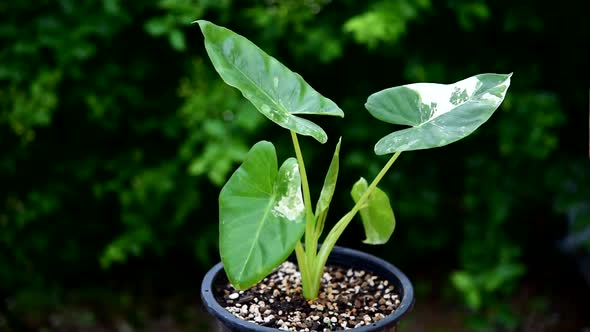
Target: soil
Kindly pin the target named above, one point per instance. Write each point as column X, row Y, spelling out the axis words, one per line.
column 348, row 298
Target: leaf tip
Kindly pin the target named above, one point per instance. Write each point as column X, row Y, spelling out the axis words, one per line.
column 367, row 241
column 239, row 287
column 204, row 24
column 201, row 23
column 509, row 77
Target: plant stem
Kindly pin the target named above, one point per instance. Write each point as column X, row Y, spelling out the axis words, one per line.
column 337, row 230
column 306, row 271
column 307, row 264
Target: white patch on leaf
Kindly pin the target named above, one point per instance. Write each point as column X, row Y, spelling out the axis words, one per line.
column 291, row 206
column 444, row 97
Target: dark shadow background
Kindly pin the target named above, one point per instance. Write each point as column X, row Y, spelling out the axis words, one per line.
column 116, row 136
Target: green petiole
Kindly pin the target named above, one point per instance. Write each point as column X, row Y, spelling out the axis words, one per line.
column 306, row 257
column 311, row 262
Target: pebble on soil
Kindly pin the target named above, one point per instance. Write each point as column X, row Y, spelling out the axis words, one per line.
column 348, row 299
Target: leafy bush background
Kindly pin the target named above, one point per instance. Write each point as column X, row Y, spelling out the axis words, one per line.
column 116, row 133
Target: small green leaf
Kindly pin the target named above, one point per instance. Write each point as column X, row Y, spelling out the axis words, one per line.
column 377, row 215
column 157, row 26
column 468, row 286
column 275, row 91
column 502, row 274
column 261, row 216
column 177, row 40
column 439, row 114
column 329, row 183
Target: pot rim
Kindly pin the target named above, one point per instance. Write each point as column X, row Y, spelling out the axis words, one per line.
column 406, row 303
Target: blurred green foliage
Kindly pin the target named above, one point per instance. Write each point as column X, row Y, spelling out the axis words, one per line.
column 116, row 135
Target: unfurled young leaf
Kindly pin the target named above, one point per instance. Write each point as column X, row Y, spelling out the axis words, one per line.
column 321, row 209
column 439, row 114
column 376, row 213
column 275, row 91
column 261, row 216
column 329, row 183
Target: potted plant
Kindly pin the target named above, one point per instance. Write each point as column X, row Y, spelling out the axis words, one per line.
column 266, row 211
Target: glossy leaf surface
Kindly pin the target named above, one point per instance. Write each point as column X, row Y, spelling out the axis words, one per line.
column 439, row 114
column 261, row 216
column 275, row 91
column 376, row 214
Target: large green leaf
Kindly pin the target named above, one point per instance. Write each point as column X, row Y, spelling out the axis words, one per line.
column 275, row 91
column 261, row 216
column 376, row 213
column 439, row 114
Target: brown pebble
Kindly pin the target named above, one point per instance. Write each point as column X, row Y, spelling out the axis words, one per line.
column 245, row 299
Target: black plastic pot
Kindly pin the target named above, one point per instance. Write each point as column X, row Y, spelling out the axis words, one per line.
column 349, row 258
